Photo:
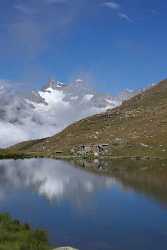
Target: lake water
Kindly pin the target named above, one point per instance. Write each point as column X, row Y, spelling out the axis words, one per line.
column 127, row 211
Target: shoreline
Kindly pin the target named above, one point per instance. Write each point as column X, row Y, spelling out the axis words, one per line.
column 72, row 157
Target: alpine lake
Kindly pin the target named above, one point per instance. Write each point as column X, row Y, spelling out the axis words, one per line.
column 95, row 205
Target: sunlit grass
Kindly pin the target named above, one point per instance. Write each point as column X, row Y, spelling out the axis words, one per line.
column 17, row 236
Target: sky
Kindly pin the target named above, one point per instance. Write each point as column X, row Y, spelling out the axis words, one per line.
column 112, row 44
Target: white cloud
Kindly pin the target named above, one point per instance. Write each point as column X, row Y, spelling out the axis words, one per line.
column 117, row 7
column 125, row 17
column 112, row 5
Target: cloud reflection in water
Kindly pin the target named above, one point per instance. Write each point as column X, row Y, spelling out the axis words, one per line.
column 53, row 179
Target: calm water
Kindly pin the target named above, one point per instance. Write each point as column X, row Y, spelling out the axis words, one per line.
column 124, row 212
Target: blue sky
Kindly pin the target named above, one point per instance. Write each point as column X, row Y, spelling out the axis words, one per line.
column 112, row 44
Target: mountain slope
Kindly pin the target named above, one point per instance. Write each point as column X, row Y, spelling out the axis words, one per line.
column 136, row 128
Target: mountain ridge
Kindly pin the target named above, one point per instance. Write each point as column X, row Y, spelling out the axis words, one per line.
column 136, row 128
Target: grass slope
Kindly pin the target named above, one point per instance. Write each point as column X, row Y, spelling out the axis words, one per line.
column 137, row 128
column 17, row 236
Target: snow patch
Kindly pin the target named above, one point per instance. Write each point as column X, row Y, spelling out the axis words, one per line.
column 87, row 97
column 53, row 98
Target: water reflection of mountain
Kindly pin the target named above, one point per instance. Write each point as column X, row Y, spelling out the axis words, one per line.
column 153, row 184
column 148, row 177
column 53, row 179
column 58, row 180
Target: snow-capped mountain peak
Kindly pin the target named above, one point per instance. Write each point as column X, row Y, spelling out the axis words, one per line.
column 46, row 112
column 53, row 84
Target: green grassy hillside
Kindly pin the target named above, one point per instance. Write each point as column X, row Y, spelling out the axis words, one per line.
column 137, row 128
column 17, row 236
